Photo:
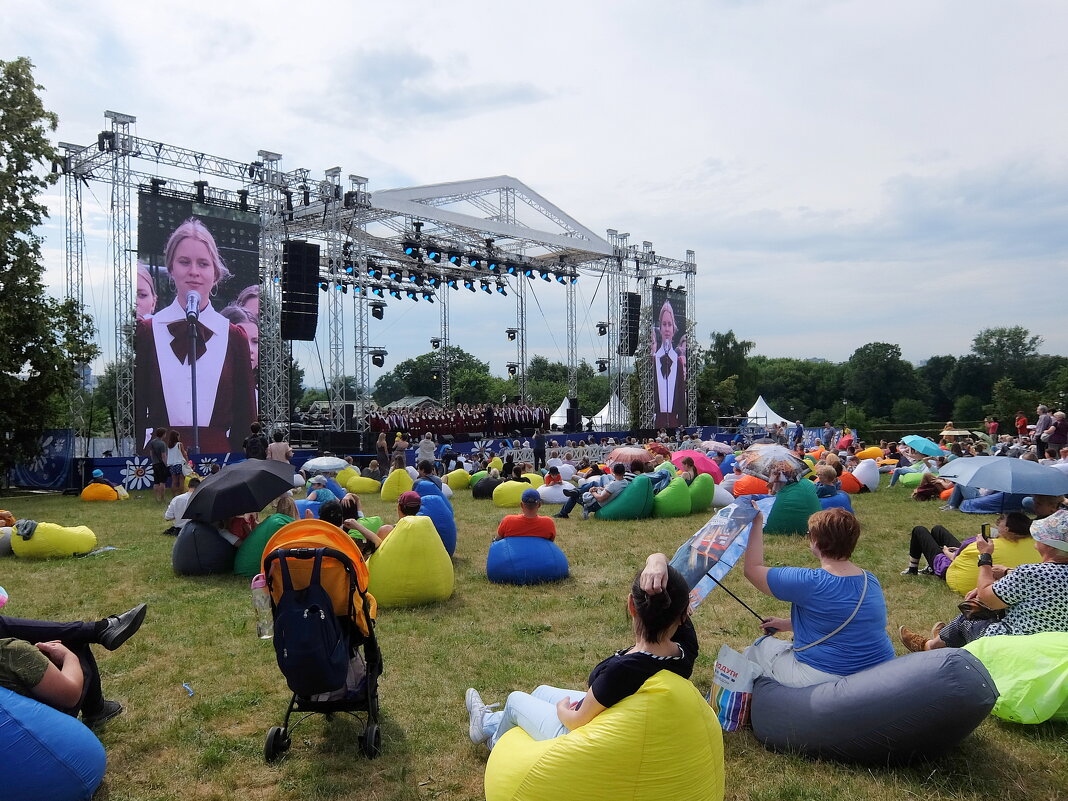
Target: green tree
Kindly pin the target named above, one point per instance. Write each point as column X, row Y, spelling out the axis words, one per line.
column 421, row 376
column 1007, row 399
column 967, row 409
column 931, row 377
column 45, row 340
column 1006, row 350
column 876, row 376
column 909, row 410
column 296, row 385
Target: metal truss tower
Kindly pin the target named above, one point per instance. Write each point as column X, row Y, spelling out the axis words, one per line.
column 330, row 196
column 362, row 370
column 691, row 335
column 445, row 368
column 74, row 237
column 274, row 364
column 129, row 441
column 572, row 340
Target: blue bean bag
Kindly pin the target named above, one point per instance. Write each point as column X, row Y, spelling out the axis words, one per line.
column 840, row 500
column 46, row 755
column 913, row 707
column 334, row 487
column 200, row 550
column 727, row 465
column 424, row 488
column 304, row 506
column 438, row 509
column 525, row 560
column 993, row 504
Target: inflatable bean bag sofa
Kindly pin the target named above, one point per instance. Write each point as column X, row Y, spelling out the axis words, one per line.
column 200, row 550
column 5, row 541
column 850, row 483
column 458, row 479
column 867, row 473
column 535, row 479
column 344, row 476
column 303, row 507
column 411, row 567
column 249, row 555
column 749, row 485
column 911, row 708
column 525, row 560
column 99, row 492
column 51, row 541
column 722, row 497
column 440, row 513
column 1030, row 674
column 873, row 452
column 673, row 500
column 361, row 485
column 702, row 490
column 634, row 502
column 47, row 755
column 476, row 477
column 840, row 500
column 553, row 493
column 911, row 480
column 509, row 493
column 396, row 482
column 484, row 489
column 663, row 742
column 424, row 488
column 794, row 504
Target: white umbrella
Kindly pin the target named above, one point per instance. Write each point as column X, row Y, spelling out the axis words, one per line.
column 325, row 464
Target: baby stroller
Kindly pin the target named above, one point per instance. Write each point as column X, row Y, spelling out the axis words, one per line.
column 324, row 629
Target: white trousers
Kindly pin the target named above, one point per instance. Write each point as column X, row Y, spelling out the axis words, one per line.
column 534, row 712
column 776, row 659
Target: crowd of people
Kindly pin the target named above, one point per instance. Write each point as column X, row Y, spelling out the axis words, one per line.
column 483, row 419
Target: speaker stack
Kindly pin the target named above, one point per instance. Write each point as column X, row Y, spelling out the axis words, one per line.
column 300, row 290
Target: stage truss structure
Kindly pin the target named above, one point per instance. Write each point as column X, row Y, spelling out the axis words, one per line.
column 375, row 248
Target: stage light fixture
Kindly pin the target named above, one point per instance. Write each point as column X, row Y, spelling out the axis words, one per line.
column 378, row 357
column 350, row 268
column 435, row 343
column 602, row 365
column 378, row 308
column 393, row 273
column 513, row 368
column 486, row 287
column 455, row 259
column 377, row 290
column 574, row 278
column 412, row 295
column 342, row 288
column 428, row 297
column 323, row 285
column 493, row 266
column 411, row 249
column 203, row 185
column 433, row 280
column 528, row 272
column 667, row 284
column 561, row 278
column 278, row 279
column 452, row 283
column 509, row 268
column 546, row 276
column 475, row 262
column 394, row 292
column 306, row 195
column 512, row 333
column 434, row 255
column 602, row 329
column 656, row 282
column 500, row 289
column 469, row 284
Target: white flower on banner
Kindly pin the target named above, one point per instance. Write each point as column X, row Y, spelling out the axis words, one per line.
column 137, row 474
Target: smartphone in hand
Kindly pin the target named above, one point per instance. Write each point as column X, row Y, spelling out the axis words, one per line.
column 984, row 531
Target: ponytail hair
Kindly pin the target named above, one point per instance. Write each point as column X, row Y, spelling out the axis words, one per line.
column 656, row 613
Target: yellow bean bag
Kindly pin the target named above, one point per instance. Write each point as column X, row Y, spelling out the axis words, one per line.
column 661, row 743
column 99, row 492
column 874, row 452
column 362, row 486
column 535, row 479
column 345, row 476
column 396, row 482
column 411, row 567
column 509, row 493
column 51, row 540
column 495, row 462
column 458, row 479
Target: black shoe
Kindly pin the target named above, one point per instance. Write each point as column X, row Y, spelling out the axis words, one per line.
column 561, row 516
column 108, row 710
column 573, row 493
column 912, row 571
column 121, row 627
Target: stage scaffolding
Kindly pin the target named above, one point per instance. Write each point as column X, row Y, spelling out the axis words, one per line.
column 363, row 238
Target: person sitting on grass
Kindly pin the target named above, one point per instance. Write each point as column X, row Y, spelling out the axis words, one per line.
column 408, row 504
column 53, row 663
column 1029, row 599
column 596, row 498
column 528, row 523
column 953, row 560
column 828, row 484
column 664, row 639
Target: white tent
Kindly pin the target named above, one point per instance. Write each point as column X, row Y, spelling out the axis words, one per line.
column 612, row 411
column 559, row 417
column 761, row 412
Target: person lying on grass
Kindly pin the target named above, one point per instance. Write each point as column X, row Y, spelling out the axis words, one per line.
column 664, row 639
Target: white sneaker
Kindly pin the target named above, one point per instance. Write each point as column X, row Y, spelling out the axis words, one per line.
column 476, row 711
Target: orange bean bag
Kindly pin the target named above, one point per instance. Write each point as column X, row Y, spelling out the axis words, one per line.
column 874, row 452
column 849, row 483
column 99, row 492
column 749, row 485
column 945, row 494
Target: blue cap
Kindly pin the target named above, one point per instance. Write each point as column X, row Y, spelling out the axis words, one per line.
column 98, row 473
column 531, row 496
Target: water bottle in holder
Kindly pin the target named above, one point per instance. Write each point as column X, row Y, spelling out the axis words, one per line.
column 261, row 603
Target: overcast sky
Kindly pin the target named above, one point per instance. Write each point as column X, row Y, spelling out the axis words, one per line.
column 847, row 172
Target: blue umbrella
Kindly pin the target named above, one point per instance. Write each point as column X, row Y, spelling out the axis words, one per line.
column 1020, row 476
column 923, row 445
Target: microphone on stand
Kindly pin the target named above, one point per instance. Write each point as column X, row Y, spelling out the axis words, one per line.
column 192, row 305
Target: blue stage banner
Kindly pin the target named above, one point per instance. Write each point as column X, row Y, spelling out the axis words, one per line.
column 51, row 469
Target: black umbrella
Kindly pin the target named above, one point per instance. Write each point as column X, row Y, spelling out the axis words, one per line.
column 239, row 489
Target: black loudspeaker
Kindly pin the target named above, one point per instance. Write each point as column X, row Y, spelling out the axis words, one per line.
column 574, row 415
column 300, row 289
column 631, row 305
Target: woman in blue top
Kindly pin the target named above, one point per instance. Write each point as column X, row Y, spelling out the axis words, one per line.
column 838, row 612
column 664, row 639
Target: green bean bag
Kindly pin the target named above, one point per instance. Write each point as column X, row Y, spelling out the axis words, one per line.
column 667, row 465
column 372, row 523
column 911, row 480
column 396, row 482
column 411, row 567
column 702, row 490
column 634, row 502
column 458, row 479
column 1029, row 672
column 249, row 558
column 509, row 493
column 361, row 485
column 673, row 500
column 476, row 477
column 794, row 505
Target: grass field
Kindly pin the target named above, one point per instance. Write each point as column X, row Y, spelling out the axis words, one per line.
column 201, row 631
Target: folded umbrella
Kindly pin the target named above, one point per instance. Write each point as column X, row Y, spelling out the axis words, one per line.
column 1001, row 473
column 923, row 445
column 240, row 488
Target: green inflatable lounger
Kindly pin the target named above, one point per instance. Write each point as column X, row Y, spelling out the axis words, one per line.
column 702, row 489
column 1031, row 673
column 634, row 502
column 674, row 499
column 249, row 559
column 794, row 505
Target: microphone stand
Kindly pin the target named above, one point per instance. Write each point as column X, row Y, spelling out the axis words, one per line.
column 194, row 335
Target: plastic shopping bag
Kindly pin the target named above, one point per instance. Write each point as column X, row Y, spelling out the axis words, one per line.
column 732, row 688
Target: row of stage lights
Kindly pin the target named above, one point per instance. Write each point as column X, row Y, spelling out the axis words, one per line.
column 492, row 264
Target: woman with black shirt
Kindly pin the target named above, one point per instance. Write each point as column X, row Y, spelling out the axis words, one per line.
column 664, row 639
